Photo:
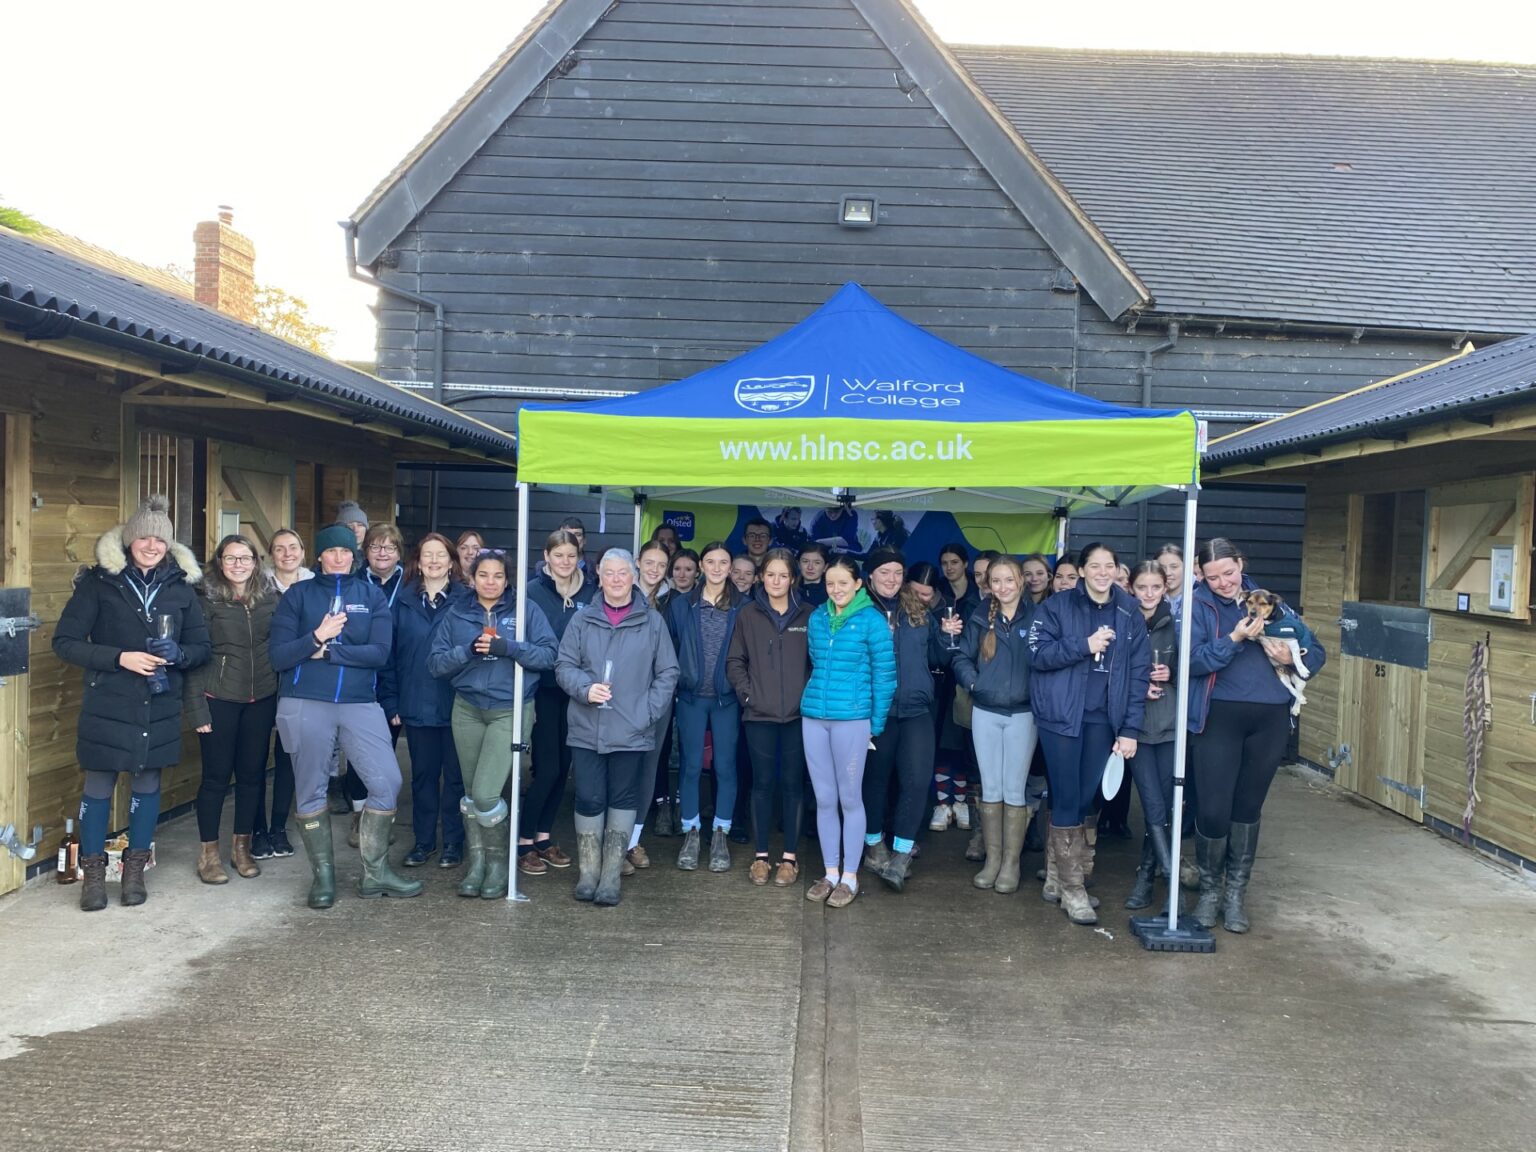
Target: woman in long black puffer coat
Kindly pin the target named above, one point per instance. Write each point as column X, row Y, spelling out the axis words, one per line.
column 134, row 624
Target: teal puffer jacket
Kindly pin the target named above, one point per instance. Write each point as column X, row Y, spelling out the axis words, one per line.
column 853, row 671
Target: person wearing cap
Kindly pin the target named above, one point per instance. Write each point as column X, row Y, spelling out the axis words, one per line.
column 135, row 625
column 330, row 637
column 903, row 753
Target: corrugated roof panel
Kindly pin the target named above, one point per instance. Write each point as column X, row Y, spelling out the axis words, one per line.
column 103, row 298
column 1475, row 380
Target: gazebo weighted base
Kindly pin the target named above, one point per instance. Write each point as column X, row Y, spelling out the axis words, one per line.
column 1156, row 936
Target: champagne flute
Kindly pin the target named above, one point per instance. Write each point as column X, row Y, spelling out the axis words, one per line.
column 607, row 682
column 1098, row 657
column 489, row 630
column 949, row 614
column 1156, row 691
column 338, row 607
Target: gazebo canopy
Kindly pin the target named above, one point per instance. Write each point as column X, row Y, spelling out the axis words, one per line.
column 856, row 401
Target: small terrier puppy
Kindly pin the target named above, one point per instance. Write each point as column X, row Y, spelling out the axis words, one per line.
column 1281, row 624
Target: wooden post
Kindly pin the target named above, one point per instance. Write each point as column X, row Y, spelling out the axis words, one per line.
column 15, row 696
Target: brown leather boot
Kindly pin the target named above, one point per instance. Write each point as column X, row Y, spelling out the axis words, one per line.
column 1070, row 851
column 93, row 893
column 134, row 862
column 209, row 868
column 241, row 859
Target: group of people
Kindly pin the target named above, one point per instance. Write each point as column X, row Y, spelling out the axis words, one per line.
column 888, row 685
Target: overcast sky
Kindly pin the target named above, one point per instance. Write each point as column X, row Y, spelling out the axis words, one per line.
column 132, row 121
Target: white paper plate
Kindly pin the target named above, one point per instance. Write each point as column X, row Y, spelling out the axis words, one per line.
column 1114, row 774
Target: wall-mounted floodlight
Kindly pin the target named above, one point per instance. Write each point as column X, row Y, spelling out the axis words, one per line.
column 859, row 212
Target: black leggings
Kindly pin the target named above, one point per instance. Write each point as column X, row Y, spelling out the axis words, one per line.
column 904, row 750
column 236, row 747
column 778, row 755
column 551, row 764
column 282, row 791
column 662, row 793
column 1236, row 758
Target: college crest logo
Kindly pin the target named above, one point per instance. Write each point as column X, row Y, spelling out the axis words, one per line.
column 774, row 394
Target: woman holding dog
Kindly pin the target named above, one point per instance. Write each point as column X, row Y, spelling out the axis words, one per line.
column 1240, row 717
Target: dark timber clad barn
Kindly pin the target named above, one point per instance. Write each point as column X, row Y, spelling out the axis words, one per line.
column 635, row 191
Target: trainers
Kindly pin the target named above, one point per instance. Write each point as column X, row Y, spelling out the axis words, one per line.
column 962, row 813
column 942, row 815
column 531, row 864
column 261, row 846
column 278, row 838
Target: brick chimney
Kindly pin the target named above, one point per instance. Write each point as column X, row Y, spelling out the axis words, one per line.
column 224, row 274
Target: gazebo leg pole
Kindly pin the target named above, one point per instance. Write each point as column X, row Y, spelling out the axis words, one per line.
column 518, row 675
column 1165, row 933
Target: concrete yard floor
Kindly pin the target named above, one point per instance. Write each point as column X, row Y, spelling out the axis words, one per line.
column 1386, row 999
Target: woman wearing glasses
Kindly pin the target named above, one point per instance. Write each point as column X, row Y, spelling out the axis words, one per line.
column 232, row 702
column 476, row 648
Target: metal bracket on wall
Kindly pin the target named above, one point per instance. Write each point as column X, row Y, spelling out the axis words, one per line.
column 15, row 846
column 1337, row 760
column 1417, row 794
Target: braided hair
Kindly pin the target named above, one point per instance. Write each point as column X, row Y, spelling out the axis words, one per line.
column 989, row 641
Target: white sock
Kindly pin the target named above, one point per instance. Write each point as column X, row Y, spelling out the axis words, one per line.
column 634, row 837
column 851, row 881
column 833, row 874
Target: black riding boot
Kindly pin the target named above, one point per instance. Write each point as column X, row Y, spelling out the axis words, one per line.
column 1210, row 859
column 1141, row 893
column 1242, row 843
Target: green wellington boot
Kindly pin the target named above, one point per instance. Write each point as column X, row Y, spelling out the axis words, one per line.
column 378, row 879
column 315, row 831
column 498, row 850
column 1015, row 825
column 992, row 836
column 474, row 859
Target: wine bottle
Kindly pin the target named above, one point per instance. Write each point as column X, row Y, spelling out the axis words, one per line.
column 69, row 854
